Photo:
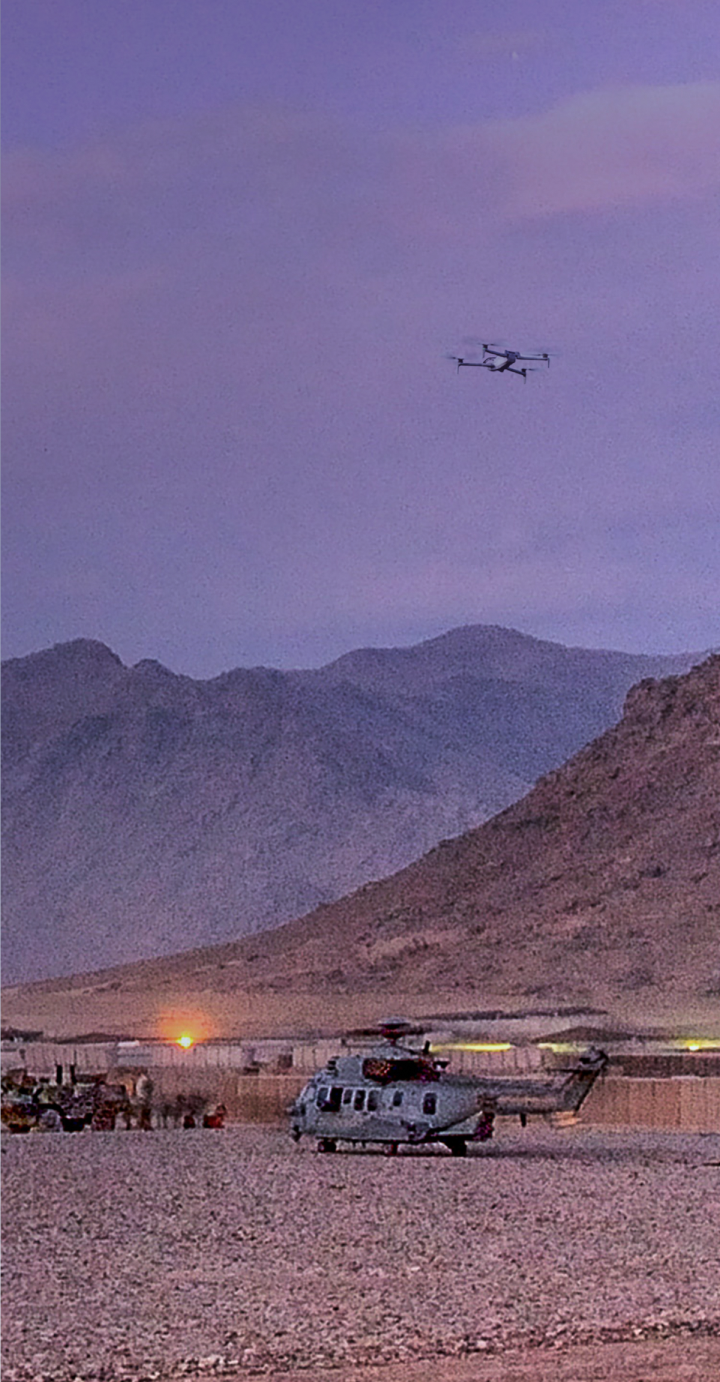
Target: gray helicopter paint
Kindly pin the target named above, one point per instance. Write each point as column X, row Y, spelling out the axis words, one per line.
column 341, row 1103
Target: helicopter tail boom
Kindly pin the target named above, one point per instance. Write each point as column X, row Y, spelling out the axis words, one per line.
column 581, row 1080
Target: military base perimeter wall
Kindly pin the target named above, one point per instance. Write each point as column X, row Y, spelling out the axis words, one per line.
column 647, row 1085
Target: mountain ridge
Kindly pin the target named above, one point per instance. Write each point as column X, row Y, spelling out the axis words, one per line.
column 146, row 812
column 599, row 889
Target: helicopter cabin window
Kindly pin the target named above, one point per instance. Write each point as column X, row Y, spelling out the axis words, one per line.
column 373, row 1100
column 397, row 1098
column 359, row 1099
column 430, row 1103
column 321, row 1096
column 347, row 1096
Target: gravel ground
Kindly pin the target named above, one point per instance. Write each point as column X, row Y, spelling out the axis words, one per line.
column 161, row 1255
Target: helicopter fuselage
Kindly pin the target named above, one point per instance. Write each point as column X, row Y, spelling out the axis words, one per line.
column 396, row 1096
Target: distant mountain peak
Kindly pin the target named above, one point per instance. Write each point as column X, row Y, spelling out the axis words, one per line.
column 151, row 667
column 76, row 652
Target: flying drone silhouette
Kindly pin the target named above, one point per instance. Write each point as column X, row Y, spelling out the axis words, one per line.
column 502, row 361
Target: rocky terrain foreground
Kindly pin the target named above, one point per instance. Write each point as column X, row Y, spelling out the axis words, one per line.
column 235, row 1254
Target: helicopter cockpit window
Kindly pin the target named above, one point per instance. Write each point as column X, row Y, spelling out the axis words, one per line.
column 430, row 1103
column 373, row 1100
column 359, row 1099
column 328, row 1100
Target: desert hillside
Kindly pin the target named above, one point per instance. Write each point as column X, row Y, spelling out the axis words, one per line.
column 146, row 813
column 605, row 876
column 601, row 887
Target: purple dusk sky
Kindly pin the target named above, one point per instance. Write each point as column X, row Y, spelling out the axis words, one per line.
column 240, row 236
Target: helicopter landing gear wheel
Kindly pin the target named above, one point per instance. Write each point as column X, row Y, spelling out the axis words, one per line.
column 457, row 1145
column 327, row 1144
column 390, row 1149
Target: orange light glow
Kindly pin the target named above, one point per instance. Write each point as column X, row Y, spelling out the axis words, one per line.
column 184, row 1025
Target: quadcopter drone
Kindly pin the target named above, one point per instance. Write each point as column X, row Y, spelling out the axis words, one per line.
column 501, row 361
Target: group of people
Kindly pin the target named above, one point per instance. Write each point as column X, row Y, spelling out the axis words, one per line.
column 183, row 1111
column 48, row 1106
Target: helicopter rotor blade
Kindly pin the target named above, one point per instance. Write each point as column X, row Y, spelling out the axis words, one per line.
column 392, row 1027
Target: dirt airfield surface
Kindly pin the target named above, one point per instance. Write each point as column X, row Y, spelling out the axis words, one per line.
column 547, row 1256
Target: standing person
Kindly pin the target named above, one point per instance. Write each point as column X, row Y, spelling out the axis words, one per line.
column 143, row 1094
column 216, row 1119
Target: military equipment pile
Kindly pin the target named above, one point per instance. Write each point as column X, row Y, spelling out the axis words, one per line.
column 236, row 1253
column 29, row 1104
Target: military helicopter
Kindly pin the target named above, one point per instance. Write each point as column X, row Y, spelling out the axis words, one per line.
column 397, row 1094
column 501, row 361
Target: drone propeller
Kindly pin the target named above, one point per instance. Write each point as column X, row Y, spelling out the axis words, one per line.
column 537, row 353
column 479, row 344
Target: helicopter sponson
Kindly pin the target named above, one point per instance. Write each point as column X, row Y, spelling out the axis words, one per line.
column 396, row 1096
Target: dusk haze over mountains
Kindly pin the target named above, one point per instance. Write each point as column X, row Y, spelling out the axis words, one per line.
column 288, row 597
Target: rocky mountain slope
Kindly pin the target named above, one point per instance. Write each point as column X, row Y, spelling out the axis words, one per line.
column 605, row 877
column 146, row 812
column 600, row 888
